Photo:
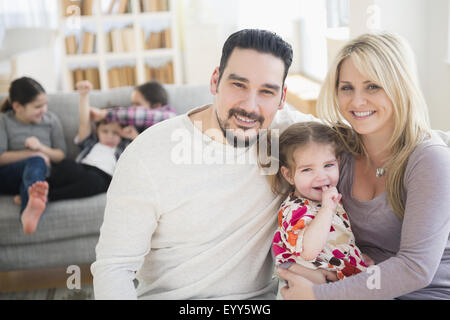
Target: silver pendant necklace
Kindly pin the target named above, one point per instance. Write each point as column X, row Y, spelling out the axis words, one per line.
column 380, row 172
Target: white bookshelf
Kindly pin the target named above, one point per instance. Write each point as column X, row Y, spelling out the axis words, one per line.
column 100, row 23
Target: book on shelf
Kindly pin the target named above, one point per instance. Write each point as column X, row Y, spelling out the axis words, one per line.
column 154, row 5
column 78, row 75
column 113, row 78
column 71, row 44
column 117, row 41
column 93, row 76
column 90, row 74
column 154, row 41
column 122, row 76
column 163, row 74
column 118, row 7
column 88, row 43
column 87, row 7
column 123, row 6
column 166, row 38
column 129, row 43
column 162, row 39
column 163, row 5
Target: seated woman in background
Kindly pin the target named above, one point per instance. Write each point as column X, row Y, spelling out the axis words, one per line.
column 395, row 176
column 31, row 140
column 150, row 106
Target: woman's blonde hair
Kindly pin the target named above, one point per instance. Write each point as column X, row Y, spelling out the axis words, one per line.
column 387, row 60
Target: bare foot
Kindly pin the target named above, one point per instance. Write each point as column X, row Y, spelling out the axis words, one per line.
column 17, row 200
column 35, row 207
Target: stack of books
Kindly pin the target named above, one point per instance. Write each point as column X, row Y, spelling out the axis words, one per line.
column 121, row 40
column 162, row 74
column 122, row 76
column 88, row 43
column 90, row 74
column 158, row 40
column 154, row 5
column 87, row 46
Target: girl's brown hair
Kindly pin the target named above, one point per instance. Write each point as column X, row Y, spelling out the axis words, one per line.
column 23, row 90
column 296, row 136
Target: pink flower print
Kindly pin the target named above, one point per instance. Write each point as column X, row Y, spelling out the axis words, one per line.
column 286, row 255
column 297, row 214
column 352, row 261
column 277, row 249
column 338, row 254
column 277, row 237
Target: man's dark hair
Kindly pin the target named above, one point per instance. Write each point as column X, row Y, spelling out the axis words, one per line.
column 153, row 92
column 260, row 40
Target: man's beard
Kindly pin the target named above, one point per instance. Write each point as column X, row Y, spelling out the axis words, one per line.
column 231, row 135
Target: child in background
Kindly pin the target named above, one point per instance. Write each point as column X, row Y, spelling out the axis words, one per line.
column 313, row 228
column 31, row 140
column 150, row 106
column 101, row 146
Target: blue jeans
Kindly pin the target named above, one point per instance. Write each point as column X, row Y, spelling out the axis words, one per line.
column 15, row 178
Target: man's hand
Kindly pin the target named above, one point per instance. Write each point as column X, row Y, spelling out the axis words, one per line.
column 298, row 288
column 84, row 87
column 33, row 144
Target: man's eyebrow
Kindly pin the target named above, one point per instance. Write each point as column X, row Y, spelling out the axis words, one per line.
column 233, row 76
column 274, row 87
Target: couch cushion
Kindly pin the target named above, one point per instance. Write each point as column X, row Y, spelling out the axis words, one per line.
column 62, row 220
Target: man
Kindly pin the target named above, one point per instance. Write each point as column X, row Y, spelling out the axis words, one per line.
column 188, row 208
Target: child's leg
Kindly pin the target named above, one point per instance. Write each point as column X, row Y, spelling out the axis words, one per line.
column 35, row 170
column 11, row 177
column 35, row 206
column 88, row 183
column 64, row 173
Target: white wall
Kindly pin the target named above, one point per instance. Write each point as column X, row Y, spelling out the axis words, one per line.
column 424, row 24
column 437, row 89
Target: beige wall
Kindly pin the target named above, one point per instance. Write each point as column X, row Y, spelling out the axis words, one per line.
column 425, row 25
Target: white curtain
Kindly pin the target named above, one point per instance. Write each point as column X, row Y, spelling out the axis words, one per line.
column 27, row 13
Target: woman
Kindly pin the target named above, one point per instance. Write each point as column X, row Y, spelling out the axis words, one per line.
column 395, row 180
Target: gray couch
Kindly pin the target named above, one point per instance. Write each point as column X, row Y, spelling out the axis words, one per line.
column 68, row 231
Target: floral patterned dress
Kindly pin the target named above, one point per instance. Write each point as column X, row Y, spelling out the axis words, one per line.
column 339, row 254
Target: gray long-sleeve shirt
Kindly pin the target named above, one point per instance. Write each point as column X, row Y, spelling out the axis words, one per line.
column 14, row 133
column 413, row 255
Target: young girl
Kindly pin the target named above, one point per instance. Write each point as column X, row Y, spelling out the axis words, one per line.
column 91, row 173
column 313, row 228
column 150, row 106
column 31, row 139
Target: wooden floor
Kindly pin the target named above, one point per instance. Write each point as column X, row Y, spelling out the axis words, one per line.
column 27, row 280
